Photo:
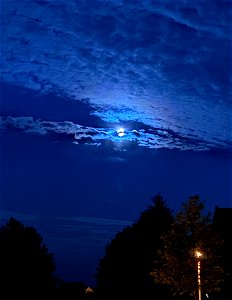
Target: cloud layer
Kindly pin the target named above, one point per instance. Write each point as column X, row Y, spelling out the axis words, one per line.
column 163, row 64
column 153, row 138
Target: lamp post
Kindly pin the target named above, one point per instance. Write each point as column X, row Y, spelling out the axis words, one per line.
column 199, row 255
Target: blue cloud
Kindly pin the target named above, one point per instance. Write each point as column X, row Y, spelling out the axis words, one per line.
column 78, row 134
column 163, row 64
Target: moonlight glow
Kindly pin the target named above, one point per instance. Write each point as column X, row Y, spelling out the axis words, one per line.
column 121, row 132
column 105, row 105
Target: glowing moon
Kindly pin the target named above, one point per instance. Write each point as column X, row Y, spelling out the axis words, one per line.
column 121, row 132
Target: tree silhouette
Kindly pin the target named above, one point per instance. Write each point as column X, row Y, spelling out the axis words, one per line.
column 26, row 266
column 222, row 221
column 124, row 271
column 176, row 265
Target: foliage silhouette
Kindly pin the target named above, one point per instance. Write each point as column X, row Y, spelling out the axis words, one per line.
column 26, row 265
column 222, row 222
column 124, row 271
column 176, row 265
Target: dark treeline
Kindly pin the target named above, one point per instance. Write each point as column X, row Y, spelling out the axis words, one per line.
column 154, row 258
column 27, row 267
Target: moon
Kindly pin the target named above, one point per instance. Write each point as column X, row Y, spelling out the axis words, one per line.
column 121, row 132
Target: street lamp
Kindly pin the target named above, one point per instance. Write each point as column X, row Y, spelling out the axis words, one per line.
column 199, row 255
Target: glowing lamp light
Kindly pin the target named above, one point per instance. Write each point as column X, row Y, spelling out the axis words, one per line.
column 198, row 254
column 121, row 132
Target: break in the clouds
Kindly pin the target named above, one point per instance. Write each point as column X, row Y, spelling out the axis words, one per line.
column 165, row 64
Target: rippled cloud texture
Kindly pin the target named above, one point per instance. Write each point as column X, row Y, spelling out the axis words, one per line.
column 165, row 64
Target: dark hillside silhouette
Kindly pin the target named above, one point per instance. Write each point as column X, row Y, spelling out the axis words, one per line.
column 26, row 266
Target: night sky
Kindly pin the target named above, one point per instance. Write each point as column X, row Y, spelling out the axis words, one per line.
column 106, row 103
